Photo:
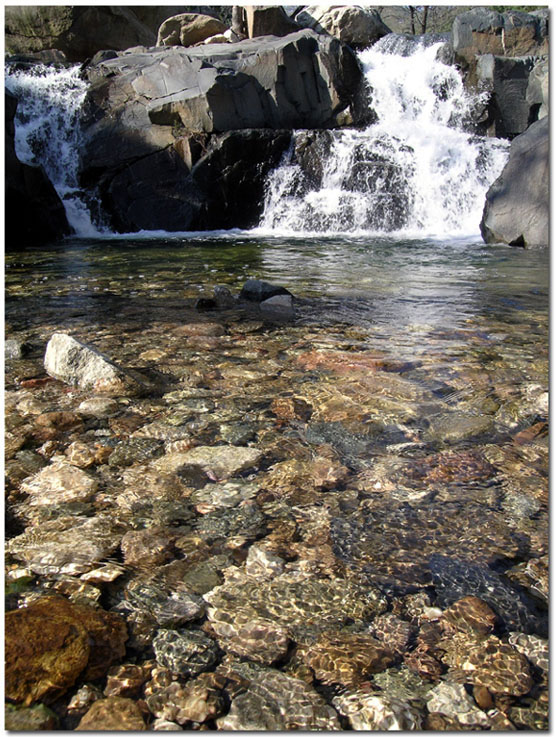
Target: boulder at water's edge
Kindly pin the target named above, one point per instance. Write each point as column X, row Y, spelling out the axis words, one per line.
column 517, row 204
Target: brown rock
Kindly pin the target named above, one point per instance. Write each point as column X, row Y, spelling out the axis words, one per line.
column 347, row 658
column 51, row 643
column 188, row 29
column 471, row 615
column 115, row 714
column 146, row 548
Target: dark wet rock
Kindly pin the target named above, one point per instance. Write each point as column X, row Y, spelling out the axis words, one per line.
column 360, row 27
column 280, row 306
column 517, row 213
column 135, row 450
column 81, row 365
column 347, row 658
column 382, row 711
column 382, row 543
column 68, row 544
column 234, row 526
column 187, row 652
column 115, row 714
column 275, row 701
column 51, row 643
column 255, row 290
column 30, row 719
column 455, row 578
column 188, row 29
column 509, row 113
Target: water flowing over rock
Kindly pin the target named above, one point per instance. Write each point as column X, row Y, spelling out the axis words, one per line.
column 517, row 204
column 34, row 211
column 392, row 176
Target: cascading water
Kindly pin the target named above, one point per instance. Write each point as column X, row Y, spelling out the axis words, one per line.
column 47, row 132
column 415, row 171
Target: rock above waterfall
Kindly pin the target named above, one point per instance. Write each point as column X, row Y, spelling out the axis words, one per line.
column 517, row 204
column 481, row 31
column 270, row 20
column 358, row 26
column 34, row 212
column 78, row 31
column 538, row 88
column 81, row 365
column 301, row 80
column 188, row 29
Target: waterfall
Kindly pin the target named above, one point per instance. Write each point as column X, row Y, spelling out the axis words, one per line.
column 47, row 133
column 414, row 172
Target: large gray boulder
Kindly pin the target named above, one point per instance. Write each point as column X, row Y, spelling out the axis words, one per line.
column 302, row 80
column 356, row 25
column 482, row 31
column 517, row 204
column 537, row 90
column 34, row 212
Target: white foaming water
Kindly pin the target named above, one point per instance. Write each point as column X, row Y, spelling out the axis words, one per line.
column 415, row 172
column 47, row 132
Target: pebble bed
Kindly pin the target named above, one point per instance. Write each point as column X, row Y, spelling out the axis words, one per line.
column 293, row 527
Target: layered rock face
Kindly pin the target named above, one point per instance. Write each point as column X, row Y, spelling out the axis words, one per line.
column 517, row 204
column 183, row 138
column 34, row 212
column 498, row 52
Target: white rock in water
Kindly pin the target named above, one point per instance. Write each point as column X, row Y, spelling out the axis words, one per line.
column 370, row 712
column 218, row 461
column 81, row 365
column 452, row 700
column 61, row 482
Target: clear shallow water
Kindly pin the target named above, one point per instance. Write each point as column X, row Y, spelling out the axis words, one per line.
column 400, row 426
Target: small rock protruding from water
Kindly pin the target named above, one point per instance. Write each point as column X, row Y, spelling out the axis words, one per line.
column 256, row 290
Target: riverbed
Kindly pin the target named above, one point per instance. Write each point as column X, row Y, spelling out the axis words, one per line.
column 400, row 418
